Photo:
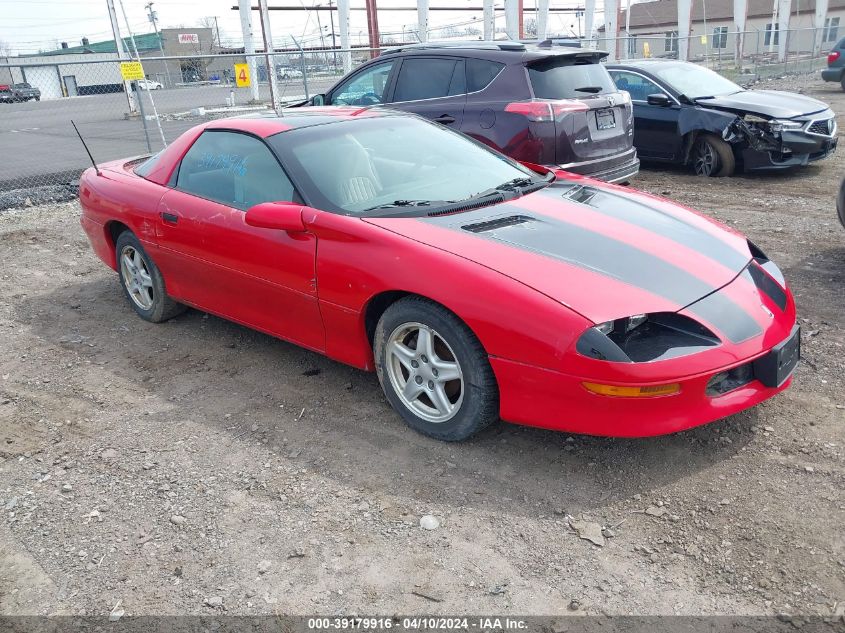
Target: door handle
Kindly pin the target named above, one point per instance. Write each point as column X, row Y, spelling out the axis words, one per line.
column 169, row 218
column 445, row 119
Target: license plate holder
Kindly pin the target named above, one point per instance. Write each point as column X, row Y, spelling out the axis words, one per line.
column 605, row 119
column 777, row 366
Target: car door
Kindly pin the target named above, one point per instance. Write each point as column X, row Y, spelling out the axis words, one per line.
column 432, row 87
column 213, row 260
column 656, row 132
column 366, row 87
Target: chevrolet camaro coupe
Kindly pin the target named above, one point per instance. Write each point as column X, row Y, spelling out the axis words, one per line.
column 477, row 288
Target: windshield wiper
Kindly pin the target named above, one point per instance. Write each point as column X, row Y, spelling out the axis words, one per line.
column 593, row 89
column 516, row 184
column 404, row 203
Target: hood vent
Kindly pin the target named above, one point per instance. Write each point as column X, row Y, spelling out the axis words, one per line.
column 581, row 194
column 498, row 223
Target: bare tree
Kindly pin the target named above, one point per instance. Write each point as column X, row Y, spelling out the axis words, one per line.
column 209, row 22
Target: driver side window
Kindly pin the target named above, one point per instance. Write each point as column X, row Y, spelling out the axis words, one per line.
column 366, row 88
column 636, row 85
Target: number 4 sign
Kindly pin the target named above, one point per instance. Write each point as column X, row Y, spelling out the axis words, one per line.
column 242, row 75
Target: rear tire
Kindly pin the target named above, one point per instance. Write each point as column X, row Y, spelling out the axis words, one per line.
column 842, row 81
column 434, row 371
column 711, row 156
column 142, row 282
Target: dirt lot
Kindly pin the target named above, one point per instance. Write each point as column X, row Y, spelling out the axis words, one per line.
column 198, row 466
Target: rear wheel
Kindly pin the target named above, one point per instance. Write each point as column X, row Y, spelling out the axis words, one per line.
column 434, row 371
column 711, row 156
column 842, row 81
column 142, row 282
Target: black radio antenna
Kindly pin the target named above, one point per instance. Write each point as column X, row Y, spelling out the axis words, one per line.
column 85, row 145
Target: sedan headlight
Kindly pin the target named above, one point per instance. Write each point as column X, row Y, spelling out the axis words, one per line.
column 645, row 337
column 781, row 125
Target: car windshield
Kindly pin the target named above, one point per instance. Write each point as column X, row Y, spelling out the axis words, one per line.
column 694, row 81
column 371, row 165
column 568, row 78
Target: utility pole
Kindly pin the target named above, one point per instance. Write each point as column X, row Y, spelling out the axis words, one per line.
column 245, row 8
column 122, row 55
column 217, row 28
column 334, row 44
column 268, row 53
column 153, row 17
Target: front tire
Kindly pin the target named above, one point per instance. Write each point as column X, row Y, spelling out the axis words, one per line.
column 434, row 371
column 142, row 282
column 711, row 156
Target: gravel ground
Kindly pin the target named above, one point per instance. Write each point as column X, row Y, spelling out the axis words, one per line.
column 198, row 467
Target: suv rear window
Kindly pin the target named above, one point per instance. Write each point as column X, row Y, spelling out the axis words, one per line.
column 566, row 78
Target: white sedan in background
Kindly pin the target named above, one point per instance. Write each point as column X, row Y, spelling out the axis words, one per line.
column 149, row 84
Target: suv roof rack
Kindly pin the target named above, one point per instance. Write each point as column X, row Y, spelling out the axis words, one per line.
column 502, row 45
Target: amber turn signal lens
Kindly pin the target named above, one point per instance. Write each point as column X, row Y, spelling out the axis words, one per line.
column 620, row 391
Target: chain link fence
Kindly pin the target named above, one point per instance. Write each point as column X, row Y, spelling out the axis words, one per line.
column 117, row 119
column 43, row 155
column 756, row 54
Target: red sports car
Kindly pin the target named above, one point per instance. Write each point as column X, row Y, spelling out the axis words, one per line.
column 476, row 287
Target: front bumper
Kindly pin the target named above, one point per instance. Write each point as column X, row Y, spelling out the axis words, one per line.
column 802, row 149
column 554, row 400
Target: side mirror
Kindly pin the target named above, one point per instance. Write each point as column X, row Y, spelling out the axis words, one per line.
column 318, row 100
column 659, row 99
column 282, row 216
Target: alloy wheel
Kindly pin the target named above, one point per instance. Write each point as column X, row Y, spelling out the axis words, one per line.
column 135, row 273
column 705, row 162
column 424, row 372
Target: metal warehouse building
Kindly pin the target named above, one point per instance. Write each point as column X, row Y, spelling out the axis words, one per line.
column 91, row 68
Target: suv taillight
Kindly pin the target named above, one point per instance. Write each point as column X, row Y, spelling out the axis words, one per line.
column 832, row 56
column 546, row 110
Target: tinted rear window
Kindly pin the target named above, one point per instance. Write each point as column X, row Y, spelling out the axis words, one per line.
column 561, row 78
column 480, row 72
column 423, row 78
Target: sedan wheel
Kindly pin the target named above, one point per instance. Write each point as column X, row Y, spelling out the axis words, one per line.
column 424, row 372
column 135, row 273
column 142, row 281
column 711, row 156
column 434, row 371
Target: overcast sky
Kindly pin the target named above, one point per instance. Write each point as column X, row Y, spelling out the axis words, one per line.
column 29, row 25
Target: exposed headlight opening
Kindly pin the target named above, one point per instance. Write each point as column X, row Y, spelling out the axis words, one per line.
column 644, row 338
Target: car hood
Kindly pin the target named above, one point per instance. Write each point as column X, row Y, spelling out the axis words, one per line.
column 770, row 103
column 603, row 251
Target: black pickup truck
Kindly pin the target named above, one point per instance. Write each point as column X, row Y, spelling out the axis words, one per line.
column 18, row 92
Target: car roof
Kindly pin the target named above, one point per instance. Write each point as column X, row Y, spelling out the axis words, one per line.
column 264, row 124
column 649, row 64
column 499, row 50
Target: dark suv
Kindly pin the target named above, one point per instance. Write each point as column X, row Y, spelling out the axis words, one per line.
column 535, row 104
column 835, row 70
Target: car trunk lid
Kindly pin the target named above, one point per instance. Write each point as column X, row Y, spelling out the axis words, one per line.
column 597, row 121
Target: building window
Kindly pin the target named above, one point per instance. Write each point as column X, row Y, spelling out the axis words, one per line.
column 670, row 44
column 831, row 29
column 772, row 34
column 632, row 45
column 720, row 37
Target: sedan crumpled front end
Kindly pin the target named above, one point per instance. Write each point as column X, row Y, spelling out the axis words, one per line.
column 771, row 143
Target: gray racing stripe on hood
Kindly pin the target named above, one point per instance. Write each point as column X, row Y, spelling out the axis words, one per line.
column 729, row 318
column 554, row 238
column 627, row 209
